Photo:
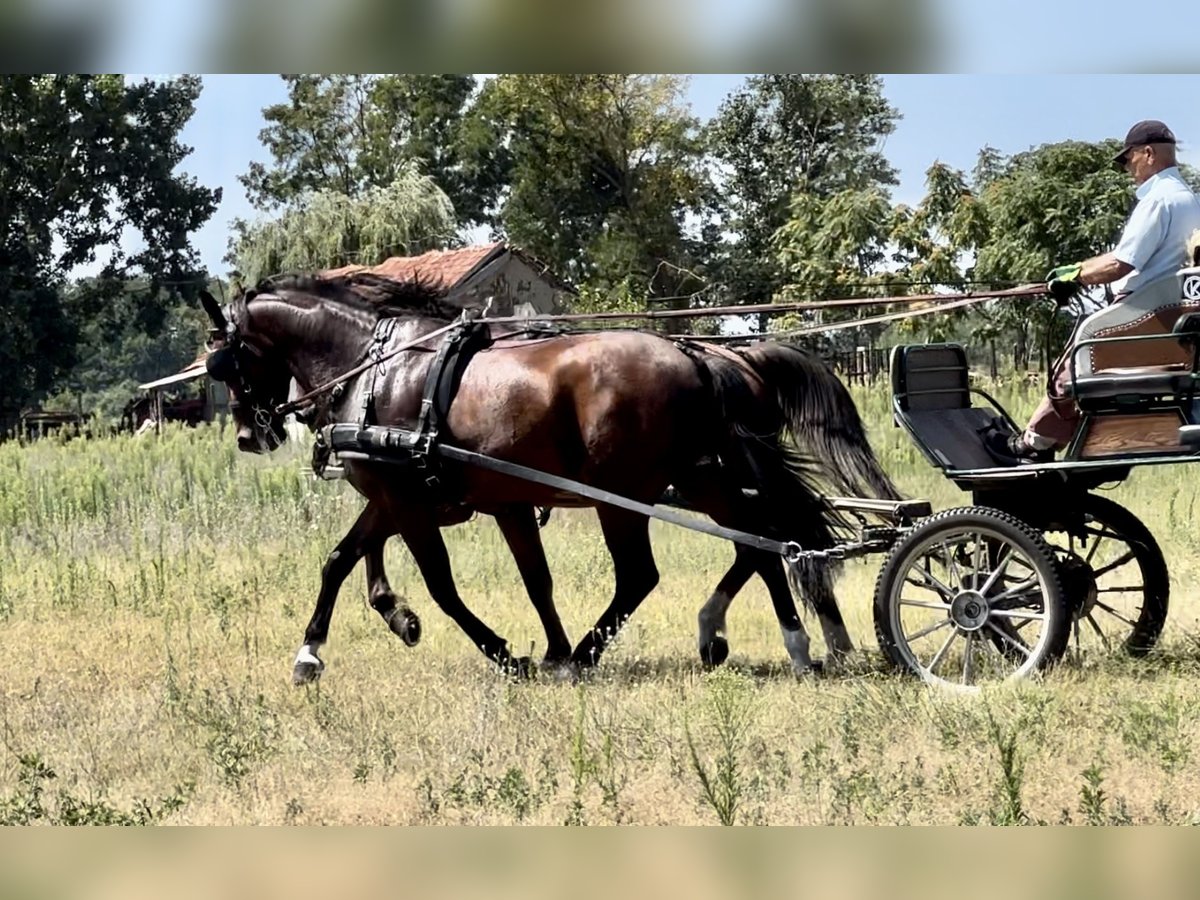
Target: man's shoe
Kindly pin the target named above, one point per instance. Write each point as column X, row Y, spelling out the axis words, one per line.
column 1010, row 450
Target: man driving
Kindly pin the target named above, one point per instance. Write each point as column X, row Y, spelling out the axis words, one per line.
column 1151, row 250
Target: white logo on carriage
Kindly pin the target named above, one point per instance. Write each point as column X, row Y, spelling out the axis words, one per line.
column 1191, row 287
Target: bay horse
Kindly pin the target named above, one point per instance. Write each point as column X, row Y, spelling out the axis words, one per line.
column 626, row 411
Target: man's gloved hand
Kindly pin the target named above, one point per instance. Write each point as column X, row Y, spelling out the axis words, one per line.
column 1063, row 282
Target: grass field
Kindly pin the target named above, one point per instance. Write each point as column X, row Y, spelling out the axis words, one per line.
column 153, row 593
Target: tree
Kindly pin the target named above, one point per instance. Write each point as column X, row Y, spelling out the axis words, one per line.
column 84, row 160
column 1055, row 203
column 605, row 172
column 326, row 229
column 133, row 339
column 781, row 135
column 838, row 246
column 350, row 134
column 1015, row 219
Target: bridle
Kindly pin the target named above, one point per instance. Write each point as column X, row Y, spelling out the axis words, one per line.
column 225, row 364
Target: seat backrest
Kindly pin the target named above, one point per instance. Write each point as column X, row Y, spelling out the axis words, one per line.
column 1162, row 320
column 930, row 376
column 1187, row 325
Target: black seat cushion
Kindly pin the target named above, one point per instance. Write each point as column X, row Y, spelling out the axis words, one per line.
column 1150, row 383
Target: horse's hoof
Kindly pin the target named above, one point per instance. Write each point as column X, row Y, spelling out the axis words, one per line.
column 562, row 671
column 715, row 651
column 815, row 669
column 406, row 626
column 307, row 672
column 308, row 667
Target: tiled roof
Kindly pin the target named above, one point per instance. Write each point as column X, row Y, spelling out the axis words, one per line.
column 440, row 269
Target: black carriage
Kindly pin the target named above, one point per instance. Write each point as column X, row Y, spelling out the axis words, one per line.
column 1002, row 588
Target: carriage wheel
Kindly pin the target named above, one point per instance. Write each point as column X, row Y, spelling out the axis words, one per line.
column 1114, row 577
column 970, row 597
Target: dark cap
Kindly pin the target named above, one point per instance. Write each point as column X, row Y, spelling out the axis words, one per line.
column 1150, row 131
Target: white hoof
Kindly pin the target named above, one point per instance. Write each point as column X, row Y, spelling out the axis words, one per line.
column 308, row 667
column 797, row 644
column 561, row 671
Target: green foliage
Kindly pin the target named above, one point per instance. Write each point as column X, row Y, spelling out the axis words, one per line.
column 84, row 159
column 28, row 804
column 605, row 169
column 132, row 339
column 326, row 229
column 350, row 134
column 724, row 782
column 1057, row 203
column 1010, row 222
column 1008, row 807
column 784, row 135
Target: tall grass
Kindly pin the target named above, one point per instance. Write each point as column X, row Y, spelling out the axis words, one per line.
column 153, row 591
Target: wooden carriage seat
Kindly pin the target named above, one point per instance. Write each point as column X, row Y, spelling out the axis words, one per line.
column 1163, row 355
column 1151, row 368
column 1142, row 410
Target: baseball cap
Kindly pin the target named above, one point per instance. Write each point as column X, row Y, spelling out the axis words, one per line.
column 1150, row 131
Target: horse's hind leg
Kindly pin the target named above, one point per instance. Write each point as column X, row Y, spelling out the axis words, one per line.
column 395, row 610
column 714, row 647
column 816, row 585
column 367, row 531
column 628, row 538
column 519, row 527
column 795, row 638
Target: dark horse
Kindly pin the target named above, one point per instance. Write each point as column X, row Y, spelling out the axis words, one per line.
column 625, row 411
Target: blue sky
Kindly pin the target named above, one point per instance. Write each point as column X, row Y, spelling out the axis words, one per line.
column 945, row 117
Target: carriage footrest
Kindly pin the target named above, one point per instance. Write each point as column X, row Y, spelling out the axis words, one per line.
column 892, row 509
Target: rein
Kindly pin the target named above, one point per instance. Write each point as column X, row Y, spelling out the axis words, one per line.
column 869, row 320
column 1028, row 290
column 941, row 302
column 292, row 405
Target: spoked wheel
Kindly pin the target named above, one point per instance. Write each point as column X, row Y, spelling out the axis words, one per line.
column 971, row 597
column 1114, row 578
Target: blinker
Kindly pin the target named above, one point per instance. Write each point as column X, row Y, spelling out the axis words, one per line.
column 221, row 364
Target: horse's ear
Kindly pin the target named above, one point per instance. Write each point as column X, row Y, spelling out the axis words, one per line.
column 213, row 308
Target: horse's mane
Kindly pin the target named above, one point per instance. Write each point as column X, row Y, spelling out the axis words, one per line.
column 362, row 290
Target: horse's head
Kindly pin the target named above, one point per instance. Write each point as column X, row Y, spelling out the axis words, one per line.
column 258, row 379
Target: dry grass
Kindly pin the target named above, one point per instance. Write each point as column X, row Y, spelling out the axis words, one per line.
column 153, row 594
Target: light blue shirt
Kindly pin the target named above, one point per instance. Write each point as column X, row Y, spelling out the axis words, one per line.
column 1155, row 238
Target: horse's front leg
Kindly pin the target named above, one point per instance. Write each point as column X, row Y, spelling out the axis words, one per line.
column 395, row 610
column 419, row 528
column 366, row 532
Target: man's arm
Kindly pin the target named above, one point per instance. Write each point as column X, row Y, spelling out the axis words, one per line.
column 1103, row 269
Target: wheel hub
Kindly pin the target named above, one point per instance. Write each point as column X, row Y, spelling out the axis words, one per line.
column 969, row 610
column 1079, row 584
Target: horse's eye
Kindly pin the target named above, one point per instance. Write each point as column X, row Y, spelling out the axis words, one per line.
column 221, row 364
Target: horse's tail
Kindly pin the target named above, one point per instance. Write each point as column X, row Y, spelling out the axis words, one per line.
column 820, row 416
column 789, row 502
